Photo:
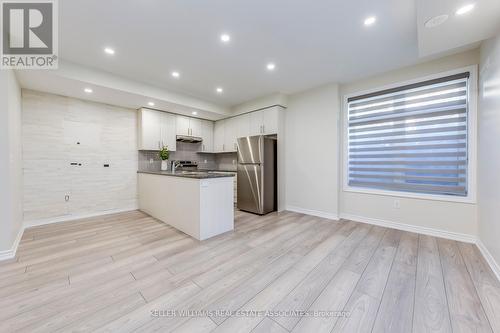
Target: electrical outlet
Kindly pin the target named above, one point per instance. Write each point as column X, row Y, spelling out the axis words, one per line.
column 151, row 161
column 397, row 204
column 205, row 161
column 234, row 161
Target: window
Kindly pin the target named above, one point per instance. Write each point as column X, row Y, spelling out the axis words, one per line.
column 412, row 138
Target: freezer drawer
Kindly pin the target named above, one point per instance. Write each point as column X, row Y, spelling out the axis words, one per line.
column 254, row 195
column 250, row 188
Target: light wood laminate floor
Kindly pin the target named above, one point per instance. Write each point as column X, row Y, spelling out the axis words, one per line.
column 127, row 272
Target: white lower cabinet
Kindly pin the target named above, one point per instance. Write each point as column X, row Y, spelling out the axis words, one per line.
column 208, row 213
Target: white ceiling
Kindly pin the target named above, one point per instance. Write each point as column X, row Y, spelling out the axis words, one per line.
column 311, row 42
column 458, row 31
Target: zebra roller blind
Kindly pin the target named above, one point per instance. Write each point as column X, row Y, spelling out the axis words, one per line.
column 412, row 138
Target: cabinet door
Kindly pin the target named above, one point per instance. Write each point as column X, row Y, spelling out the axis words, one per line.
column 195, row 127
column 243, row 125
column 149, row 130
column 256, row 122
column 231, row 130
column 168, row 131
column 271, row 119
column 207, row 133
column 183, row 125
column 219, row 129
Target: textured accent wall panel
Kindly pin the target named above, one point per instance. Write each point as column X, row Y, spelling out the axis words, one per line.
column 59, row 131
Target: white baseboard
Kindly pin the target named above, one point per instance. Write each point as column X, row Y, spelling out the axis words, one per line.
column 9, row 254
column 412, row 228
column 489, row 258
column 325, row 215
column 68, row 218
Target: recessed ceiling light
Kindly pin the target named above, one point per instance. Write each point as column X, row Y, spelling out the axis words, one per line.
column 88, row 90
column 225, row 38
column 194, row 113
column 370, row 20
column 151, row 104
column 176, row 74
column 219, row 90
column 109, row 51
column 465, row 9
column 436, row 20
column 270, row 66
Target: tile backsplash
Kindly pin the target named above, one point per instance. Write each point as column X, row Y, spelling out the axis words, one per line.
column 227, row 161
column 150, row 161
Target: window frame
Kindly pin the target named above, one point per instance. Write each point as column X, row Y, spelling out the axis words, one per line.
column 471, row 140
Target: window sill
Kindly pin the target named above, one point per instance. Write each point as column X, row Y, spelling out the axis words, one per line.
column 430, row 197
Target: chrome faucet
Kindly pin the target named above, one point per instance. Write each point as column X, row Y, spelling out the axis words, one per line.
column 175, row 164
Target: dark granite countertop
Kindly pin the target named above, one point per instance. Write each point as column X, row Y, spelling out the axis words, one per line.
column 189, row 174
column 218, row 170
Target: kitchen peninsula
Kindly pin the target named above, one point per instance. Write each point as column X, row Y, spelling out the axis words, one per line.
column 200, row 204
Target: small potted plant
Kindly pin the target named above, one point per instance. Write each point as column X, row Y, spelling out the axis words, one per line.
column 164, row 155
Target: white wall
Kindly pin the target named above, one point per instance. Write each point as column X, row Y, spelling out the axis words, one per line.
column 453, row 218
column 489, row 153
column 311, row 151
column 11, row 211
column 52, row 128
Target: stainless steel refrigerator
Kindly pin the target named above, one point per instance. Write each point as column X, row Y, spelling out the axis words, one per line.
column 257, row 179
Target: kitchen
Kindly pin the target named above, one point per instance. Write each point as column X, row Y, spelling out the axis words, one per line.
column 263, row 166
column 197, row 149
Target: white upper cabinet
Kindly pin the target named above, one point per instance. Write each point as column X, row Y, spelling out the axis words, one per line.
column 188, row 126
column 168, row 131
column 156, row 129
column 264, row 121
column 207, row 134
column 219, row 134
column 195, row 125
column 231, row 132
column 150, row 129
column 270, row 121
column 243, row 123
column 183, row 125
column 256, row 122
column 149, row 134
